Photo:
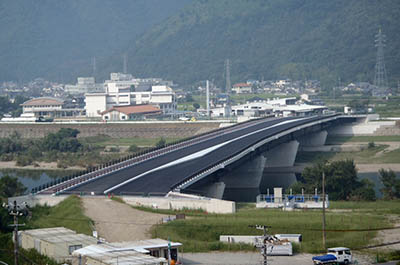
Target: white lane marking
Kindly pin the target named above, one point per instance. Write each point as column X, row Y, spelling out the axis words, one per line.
column 198, row 154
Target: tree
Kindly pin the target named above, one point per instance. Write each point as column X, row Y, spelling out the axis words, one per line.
column 161, row 143
column 133, row 148
column 391, row 185
column 196, row 105
column 341, row 181
column 10, row 187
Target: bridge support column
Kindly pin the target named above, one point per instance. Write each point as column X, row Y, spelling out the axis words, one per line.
column 214, row 190
column 313, row 140
column 279, row 171
column 242, row 183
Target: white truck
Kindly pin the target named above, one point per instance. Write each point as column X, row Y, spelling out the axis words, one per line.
column 340, row 255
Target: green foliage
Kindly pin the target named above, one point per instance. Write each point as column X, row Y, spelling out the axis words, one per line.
column 341, row 181
column 391, row 185
column 72, row 32
column 276, row 39
column 68, row 213
column 64, row 141
column 161, row 143
column 201, row 233
column 133, row 148
column 10, row 187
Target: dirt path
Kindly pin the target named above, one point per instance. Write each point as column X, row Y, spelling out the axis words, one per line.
column 116, row 221
column 388, row 236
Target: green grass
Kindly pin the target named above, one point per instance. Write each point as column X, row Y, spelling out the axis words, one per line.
column 365, row 139
column 103, row 141
column 68, row 213
column 202, row 233
column 362, row 157
column 373, row 207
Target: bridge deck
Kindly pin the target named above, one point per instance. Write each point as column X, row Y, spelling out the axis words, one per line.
column 170, row 166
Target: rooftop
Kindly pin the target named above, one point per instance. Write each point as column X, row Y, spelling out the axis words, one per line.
column 135, row 109
column 43, row 101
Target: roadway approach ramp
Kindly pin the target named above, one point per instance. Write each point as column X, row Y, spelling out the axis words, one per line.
column 171, row 167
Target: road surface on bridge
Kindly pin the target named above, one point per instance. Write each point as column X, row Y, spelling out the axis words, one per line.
column 162, row 173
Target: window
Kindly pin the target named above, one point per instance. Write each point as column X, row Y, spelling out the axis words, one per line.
column 340, row 252
column 155, row 253
column 73, row 248
column 347, row 252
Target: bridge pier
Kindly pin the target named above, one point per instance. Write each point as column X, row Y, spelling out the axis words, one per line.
column 214, row 190
column 310, row 141
column 278, row 170
column 242, row 183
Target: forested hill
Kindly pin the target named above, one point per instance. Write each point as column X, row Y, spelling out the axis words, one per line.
column 299, row 39
column 56, row 39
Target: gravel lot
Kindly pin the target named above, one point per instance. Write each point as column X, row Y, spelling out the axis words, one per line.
column 118, row 222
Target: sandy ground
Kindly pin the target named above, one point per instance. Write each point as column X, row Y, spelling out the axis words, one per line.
column 116, row 221
column 388, row 236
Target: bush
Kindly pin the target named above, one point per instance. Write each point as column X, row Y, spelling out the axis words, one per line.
column 23, row 161
column 371, row 145
column 161, row 143
column 133, row 148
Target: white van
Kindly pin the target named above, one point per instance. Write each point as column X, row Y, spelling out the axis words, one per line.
column 343, row 255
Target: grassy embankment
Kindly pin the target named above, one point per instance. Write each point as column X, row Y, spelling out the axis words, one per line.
column 69, row 213
column 201, row 231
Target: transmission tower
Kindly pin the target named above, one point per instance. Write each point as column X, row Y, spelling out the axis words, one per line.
column 94, row 67
column 125, row 69
column 380, row 80
column 228, row 87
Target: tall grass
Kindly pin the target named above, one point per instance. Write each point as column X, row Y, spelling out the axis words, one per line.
column 202, row 233
column 68, row 213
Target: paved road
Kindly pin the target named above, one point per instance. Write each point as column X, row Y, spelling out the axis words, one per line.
column 163, row 179
column 253, row 258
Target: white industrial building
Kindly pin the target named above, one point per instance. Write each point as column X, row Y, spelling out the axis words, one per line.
column 123, row 90
column 278, row 107
column 143, row 252
column 57, row 243
column 84, row 85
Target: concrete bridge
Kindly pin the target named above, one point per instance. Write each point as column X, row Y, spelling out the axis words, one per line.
column 234, row 163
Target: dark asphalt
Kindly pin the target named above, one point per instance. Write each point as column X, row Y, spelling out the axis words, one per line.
column 163, row 180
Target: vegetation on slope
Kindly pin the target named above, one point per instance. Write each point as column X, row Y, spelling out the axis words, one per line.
column 271, row 39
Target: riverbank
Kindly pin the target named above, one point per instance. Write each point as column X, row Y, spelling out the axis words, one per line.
column 37, row 166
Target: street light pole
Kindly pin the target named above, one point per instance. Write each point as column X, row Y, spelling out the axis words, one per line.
column 323, row 211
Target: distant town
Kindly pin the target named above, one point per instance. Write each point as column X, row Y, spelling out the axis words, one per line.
column 126, row 98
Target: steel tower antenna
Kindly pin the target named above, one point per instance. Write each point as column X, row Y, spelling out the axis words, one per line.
column 380, row 80
column 228, row 87
column 94, row 67
column 125, row 70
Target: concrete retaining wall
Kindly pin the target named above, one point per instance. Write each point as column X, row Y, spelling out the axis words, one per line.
column 114, row 130
column 205, row 204
column 369, row 128
column 38, row 199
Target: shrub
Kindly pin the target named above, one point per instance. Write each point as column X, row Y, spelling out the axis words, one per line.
column 133, row 148
column 371, row 145
column 23, row 161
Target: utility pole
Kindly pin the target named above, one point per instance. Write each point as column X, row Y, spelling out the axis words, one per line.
column 323, row 211
column 15, row 211
column 266, row 238
column 208, row 98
